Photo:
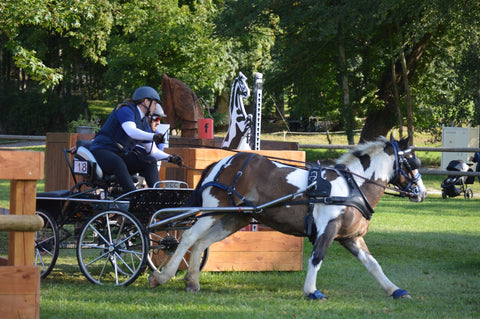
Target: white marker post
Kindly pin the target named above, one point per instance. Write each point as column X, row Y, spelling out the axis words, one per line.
column 257, row 121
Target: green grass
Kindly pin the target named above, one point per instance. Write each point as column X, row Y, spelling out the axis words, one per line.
column 430, row 249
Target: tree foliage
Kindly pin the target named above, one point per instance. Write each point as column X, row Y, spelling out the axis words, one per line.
column 329, row 58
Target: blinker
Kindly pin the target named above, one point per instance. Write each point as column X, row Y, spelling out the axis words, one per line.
column 414, row 162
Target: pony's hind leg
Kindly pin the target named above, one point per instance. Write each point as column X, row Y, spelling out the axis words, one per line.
column 190, row 236
column 360, row 250
column 227, row 225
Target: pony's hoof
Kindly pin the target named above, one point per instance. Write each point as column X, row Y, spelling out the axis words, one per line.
column 191, row 287
column 317, row 295
column 152, row 280
column 400, row 293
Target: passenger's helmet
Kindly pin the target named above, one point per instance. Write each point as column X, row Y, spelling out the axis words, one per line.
column 146, row 92
column 159, row 111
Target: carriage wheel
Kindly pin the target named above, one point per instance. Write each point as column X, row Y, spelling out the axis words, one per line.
column 162, row 247
column 468, row 193
column 47, row 243
column 112, row 248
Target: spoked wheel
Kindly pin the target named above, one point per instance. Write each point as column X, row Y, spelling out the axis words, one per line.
column 47, row 244
column 112, row 248
column 468, row 193
column 163, row 245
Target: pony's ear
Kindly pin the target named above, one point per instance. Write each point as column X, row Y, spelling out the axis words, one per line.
column 404, row 143
column 391, row 137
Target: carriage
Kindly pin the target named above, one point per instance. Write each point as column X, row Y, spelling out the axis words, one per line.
column 454, row 186
column 107, row 228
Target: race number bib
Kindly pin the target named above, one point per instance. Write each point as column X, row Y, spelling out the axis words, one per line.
column 80, row 167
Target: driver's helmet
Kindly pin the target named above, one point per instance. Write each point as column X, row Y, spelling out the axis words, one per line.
column 145, row 92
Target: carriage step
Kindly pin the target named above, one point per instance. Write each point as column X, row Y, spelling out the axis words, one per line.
column 68, row 245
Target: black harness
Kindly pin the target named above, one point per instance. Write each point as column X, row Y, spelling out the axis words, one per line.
column 230, row 189
column 319, row 193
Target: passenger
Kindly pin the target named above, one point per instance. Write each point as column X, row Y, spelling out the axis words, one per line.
column 154, row 121
column 126, row 127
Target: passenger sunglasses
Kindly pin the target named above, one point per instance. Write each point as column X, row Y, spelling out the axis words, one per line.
column 155, row 118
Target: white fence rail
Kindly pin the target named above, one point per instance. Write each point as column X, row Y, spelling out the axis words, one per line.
column 424, row 171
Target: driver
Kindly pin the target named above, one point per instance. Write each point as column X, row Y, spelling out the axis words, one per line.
column 125, row 127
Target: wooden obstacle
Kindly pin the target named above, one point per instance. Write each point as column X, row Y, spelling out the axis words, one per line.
column 244, row 250
column 20, row 280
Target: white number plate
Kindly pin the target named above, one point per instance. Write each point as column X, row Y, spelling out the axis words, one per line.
column 80, row 167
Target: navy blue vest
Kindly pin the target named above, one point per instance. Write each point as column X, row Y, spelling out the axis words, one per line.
column 112, row 136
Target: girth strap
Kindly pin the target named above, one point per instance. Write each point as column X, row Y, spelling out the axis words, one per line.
column 230, row 189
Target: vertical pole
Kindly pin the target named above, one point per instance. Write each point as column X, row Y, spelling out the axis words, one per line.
column 21, row 245
column 257, row 93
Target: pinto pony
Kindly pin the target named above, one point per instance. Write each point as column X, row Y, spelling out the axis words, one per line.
column 337, row 206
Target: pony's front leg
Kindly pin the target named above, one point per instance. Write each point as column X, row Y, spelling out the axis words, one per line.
column 189, row 237
column 221, row 230
column 359, row 249
column 320, row 247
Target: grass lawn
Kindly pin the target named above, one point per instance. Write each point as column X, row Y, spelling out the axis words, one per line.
column 430, row 249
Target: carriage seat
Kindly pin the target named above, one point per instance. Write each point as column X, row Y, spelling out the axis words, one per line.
column 55, row 194
column 83, row 150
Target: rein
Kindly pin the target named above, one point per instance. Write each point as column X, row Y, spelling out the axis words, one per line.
column 401, row 193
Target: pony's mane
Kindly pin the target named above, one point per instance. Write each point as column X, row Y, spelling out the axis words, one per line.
column 370, row 147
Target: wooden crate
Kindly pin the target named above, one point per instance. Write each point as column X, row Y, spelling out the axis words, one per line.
column 245, row 250
column 20, row 292
column 256, row 251
column 57, row 173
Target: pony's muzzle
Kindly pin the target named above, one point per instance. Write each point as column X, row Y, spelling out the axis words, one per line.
column 417, row 195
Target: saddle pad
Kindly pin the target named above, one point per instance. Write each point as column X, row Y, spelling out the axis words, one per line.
column 322, row 188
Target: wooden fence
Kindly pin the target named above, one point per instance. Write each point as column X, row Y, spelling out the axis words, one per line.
column 20, row 280
column 423, row 171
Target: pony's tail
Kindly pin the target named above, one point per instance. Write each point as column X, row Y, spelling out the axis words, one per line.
column 195, row 199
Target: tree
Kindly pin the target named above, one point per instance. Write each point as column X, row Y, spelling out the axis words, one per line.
column 307, row 67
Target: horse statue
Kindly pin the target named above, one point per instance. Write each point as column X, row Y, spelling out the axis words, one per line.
column 180, row 104
column 326, row 204
column 239, row 128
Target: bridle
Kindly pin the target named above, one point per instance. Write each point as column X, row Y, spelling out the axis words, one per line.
column 405, row 165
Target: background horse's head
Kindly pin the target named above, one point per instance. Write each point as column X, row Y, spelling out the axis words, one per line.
column 239, row 91
column 180, row 104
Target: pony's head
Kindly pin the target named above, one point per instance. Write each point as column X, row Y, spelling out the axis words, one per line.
column 407, row 177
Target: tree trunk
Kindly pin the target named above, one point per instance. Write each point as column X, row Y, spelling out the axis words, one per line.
column 347, row 109
column 381, row 121
column 408, row 96
column 396, row 97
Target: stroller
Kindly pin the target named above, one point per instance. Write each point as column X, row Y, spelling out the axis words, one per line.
column 449, row 184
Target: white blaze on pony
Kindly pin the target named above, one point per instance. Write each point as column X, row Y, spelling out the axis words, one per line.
column 342, row 213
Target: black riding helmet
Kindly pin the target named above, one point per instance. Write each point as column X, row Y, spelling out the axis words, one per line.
column 146, row 92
